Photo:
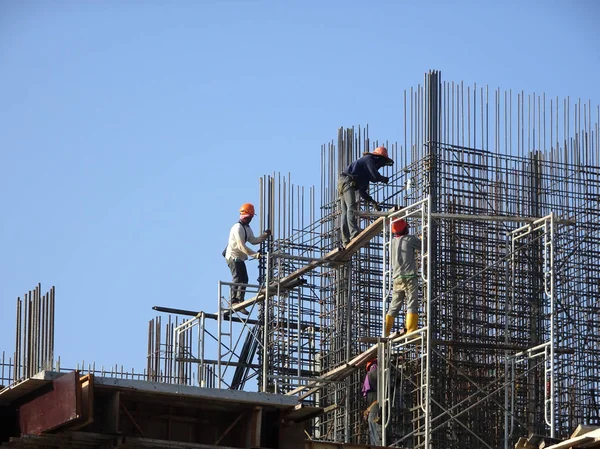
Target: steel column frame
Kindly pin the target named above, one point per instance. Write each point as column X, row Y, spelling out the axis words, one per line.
column 426, row 283
column 265, row 361
column 422, row 209
column 549, row 289
column 202, row 344
column 383, row 386
column 546, row 224
column 226, row 347
column 415, row 209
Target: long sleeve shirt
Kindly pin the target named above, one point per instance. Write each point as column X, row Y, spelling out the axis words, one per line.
column 371, row 392
column 236, row 247
column 403, row 255
column 365, row 170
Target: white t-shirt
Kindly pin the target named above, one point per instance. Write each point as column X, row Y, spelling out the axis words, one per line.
column 236, row 247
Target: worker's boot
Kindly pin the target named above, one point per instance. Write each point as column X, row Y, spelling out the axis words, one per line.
column 389, row 323
column 412, row 322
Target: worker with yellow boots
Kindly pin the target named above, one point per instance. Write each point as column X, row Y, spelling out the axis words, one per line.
column 405, row 278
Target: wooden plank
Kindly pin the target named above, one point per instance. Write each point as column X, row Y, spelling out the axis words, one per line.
column 302, row 413
column 589, row 438
column 340, row 372
column 583, row 429
column 573, row 442
column 337, row 255
column 345, row 254
column 521, row 443
column 343, row 371
column 286, row 283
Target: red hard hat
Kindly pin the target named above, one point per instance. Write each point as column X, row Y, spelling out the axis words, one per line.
column 247, row 209
column 380, row 151
column 399, row 227
column 383, row 152
column 370, row 364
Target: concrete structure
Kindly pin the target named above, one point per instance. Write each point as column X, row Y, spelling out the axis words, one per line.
column 54, row 409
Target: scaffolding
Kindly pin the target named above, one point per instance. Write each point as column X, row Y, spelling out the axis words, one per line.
column 507, row 208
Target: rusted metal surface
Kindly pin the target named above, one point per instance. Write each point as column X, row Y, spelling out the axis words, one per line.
column 57, row 407
column 87, row 402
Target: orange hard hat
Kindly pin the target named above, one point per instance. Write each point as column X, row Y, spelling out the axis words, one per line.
column 247, row 209
column 399, row 227
column 370, row 364
column 383, row 152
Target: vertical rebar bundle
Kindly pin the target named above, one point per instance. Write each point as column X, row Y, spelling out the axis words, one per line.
column 34, row 342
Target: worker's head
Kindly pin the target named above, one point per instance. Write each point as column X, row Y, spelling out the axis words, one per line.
column 399, row 227
column 381, row 153
column 246, row 213
column 370, row 364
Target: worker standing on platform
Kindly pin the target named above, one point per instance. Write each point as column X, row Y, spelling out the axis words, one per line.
column 371, row 413
column 405, row 279
column 356, row 178
column 237, row 252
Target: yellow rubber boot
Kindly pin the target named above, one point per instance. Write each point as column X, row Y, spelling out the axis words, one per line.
column 412, row 322
column 389, row 323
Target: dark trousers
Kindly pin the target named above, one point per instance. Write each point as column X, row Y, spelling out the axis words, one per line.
column 239, row 276
column 349, row 208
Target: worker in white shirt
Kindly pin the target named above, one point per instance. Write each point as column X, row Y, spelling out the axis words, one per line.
column 237, row 252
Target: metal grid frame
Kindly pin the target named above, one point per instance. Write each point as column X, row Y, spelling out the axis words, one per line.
column 495, row 337
column 486, row 173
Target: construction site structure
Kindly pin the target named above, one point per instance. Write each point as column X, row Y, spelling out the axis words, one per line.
column 503, row 190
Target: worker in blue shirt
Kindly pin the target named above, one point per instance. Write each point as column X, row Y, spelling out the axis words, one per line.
column 356, row 178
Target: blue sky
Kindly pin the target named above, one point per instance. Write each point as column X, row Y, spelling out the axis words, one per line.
column 131, row 132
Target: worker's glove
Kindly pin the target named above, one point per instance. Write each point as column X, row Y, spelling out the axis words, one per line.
column 376, row 206
column 257, row 255
column 267, row 232
column 385, row 179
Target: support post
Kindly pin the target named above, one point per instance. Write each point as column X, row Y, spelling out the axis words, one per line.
column 266, row 324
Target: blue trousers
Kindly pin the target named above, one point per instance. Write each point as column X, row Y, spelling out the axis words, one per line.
column 374, row 427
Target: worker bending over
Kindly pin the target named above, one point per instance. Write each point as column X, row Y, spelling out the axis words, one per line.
column 356, row 178
column 404, row 273
column 237, row 252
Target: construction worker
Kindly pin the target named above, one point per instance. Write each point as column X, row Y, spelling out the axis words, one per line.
column 356, row 178
column 371, row 413
column 404, row 273
column 237, row 252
